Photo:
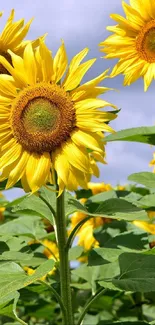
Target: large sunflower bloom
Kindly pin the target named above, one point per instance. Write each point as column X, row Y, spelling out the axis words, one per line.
column 48, row 125
column 11, row 38
column 133, row 42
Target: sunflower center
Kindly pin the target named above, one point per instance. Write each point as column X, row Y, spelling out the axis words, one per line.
column 42, row 118
column 145, row 43
column 40, row 115
column 7, row 56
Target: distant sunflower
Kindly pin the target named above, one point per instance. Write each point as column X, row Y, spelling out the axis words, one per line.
column 11, row 38
column 133, row 42
column 48, row 125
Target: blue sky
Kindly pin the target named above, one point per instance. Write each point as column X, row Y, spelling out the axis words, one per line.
column 82, row 24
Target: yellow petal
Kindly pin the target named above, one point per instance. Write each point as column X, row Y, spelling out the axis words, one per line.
column 148, row 77
column 75, row 62
column 88, row 140
column 25, row 184
column 47, row 62
column 10, row 34
column 20, row 35
column 60, row 63
column 18, row 77
column 30, row 64
column 75, row 179
column 11, row 155
column 18, row 62
column 73, row 80
column 77, row 156
column 145, row 226
column 6, row 87
column 91, row 103
column 61, row 164
column 18, row 171
column 37, row 170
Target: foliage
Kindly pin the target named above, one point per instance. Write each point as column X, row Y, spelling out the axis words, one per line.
column 119, row 271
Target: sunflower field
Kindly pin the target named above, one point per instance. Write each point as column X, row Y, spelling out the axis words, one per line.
column 74, row 251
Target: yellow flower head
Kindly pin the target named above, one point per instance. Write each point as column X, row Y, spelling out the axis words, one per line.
column 51, row 249
column 85, row 233
column 152, row 162
column 11, row 38
column 148, row 227
column 133, row 42
column 46, row 124
column 99, row 187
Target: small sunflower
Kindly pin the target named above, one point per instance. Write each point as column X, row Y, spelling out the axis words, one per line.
column 133, row 42
column 99, row 187
column 11, row 38
column 47, row 124
column 152, row 163
column 147, row 226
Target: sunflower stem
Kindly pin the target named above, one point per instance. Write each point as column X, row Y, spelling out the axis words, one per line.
column 98, row 294
column 64, row 261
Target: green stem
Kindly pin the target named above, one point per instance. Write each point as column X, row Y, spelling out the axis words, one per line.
column 20, row 321
column 64, row 261
column 75, row 230
column 56, row 296
column 98, row 294
column 49, row 206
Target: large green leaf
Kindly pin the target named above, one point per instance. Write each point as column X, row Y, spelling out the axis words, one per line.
column 103, row 196
column 12, row 281
column 75, row 252
column 111, row 208
column 144, row 178
column 141, row 134
column 121, row 209
column 122, row 323
column 128, row 239
column 35, row 204
column 136, row 272
column 147, row 201
column 25, row 225
column 102, row 255
column 8, row 303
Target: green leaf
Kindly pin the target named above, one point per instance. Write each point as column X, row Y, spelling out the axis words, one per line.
column 16, row 256
column 147, row 201
column 73, row 205
column 11, row 282
column 49, row 194
column 25, row 225
column 122, row 323
column 92, row 274
column 7, row 304
column 141, row 134
column 111, row 208
column 75, row 252
column 35, row 204
column 103, row 196
column 101, row 255
column 121, row 209
column 129, row 239
column 136, row 272
column 144, row 178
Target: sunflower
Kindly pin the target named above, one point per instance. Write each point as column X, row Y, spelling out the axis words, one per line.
column 50, row 251
column 147, row 226
column 99, row 187
column 133, row 42
column 11, row 38
column 47, row 124
column 152, row 162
